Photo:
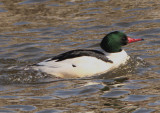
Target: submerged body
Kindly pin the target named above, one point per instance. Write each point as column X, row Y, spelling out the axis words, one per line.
column 84, row 66
column 86, row 63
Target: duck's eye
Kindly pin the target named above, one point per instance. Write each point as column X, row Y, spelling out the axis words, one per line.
column 124, row 38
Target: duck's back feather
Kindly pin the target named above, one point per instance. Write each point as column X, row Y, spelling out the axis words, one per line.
column 79, row 53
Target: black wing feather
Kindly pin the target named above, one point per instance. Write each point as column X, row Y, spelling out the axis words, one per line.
column 79, row 53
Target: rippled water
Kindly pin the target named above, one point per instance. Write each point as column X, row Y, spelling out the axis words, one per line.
column 33, row 30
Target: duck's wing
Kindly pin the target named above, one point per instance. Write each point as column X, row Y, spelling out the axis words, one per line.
column 79, row 53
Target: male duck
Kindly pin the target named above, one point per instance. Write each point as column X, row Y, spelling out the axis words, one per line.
column 87, row 62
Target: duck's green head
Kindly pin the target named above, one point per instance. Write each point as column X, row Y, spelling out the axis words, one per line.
column 113, row 41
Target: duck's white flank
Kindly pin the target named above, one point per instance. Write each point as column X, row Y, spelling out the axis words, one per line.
column 84, row 66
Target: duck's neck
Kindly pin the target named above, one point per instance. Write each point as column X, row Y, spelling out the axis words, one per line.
column 117, row 56
column 114, row 53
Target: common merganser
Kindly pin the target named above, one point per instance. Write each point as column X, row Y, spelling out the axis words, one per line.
column 87, row 62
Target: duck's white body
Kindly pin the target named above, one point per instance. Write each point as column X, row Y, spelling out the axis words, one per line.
column 83, row 66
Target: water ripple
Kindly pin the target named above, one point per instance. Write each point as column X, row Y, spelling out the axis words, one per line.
column 129, row 24
column 148, row 31
column 7, row 111
column 138, row 9
column 115, row 94
column 2, row 10
column 135, row 98
column 143, row 110
column 32, row 1
column 157, row 103
column 51, row 111
column 21, row 107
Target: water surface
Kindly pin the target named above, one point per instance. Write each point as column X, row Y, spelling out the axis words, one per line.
column 33, row 30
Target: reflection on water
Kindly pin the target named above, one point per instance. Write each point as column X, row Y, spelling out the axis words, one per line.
column 33, row 30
